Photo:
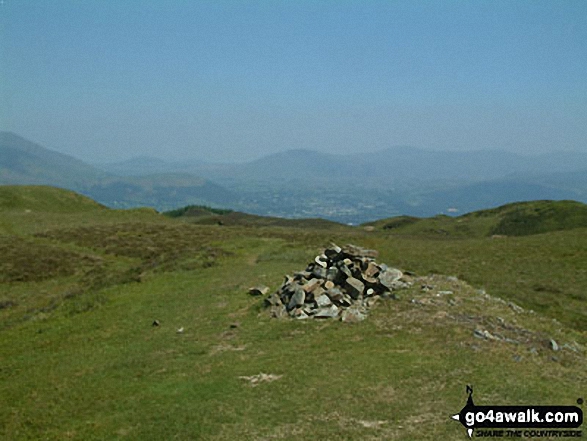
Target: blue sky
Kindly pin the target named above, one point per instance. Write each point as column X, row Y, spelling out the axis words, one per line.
column 234, row 80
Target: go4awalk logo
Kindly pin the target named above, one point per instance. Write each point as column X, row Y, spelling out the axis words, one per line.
column 518, row 421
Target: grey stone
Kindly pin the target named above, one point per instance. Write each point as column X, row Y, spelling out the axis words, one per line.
column 354, row 287
column 515, row 307
column 300, row 314
column 485, row 335
column 260, row 290
column 331, row 312
column 346, row 300
column 344, row 269
column 399, row 284
column 316, row 293
column 297, row 299
column 319, row 272
column 323, row 301
column 273, row 300
column 389, row 276
column 333, row 274
column 335, row 294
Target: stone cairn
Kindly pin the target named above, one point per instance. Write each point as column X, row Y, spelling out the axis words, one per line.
column 342, row 283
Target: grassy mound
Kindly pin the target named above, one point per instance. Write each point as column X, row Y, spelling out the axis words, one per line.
column 540, row 217
column 517, row 219
column 44, row 199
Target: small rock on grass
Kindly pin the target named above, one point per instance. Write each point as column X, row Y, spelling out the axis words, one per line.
column 260, row 290
column 352, row 315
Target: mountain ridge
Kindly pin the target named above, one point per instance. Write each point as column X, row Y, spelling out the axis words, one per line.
column 303, row 183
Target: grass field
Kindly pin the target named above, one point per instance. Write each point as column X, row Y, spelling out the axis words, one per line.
column 81, row 285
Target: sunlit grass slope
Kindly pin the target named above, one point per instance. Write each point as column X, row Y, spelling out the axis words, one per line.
column 517, row 219
column 81, row 360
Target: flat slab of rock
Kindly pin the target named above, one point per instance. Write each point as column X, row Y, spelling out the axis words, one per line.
column 331, row 312
column 297, row 299
column 260, row 290
column 389, row 276
column 335, row 294
column 354, row 287
column 323, row 301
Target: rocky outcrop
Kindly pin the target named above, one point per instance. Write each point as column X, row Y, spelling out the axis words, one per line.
column 341, row 283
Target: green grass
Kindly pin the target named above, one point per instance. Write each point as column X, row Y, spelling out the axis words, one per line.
column 196, row 211
column 517, row 219
column 81, row 360
column 201, row 215
column 44, row 199
column 546, row 272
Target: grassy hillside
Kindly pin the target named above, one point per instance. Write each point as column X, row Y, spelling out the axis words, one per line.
column 202, row 215
column 516, row 219
column 44, row 199
column 81, row 360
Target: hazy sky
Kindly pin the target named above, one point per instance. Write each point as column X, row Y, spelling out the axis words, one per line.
column 232, row 80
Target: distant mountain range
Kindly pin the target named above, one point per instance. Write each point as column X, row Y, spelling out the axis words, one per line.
column 24, row 162
column 396, row 164
column 303, row 183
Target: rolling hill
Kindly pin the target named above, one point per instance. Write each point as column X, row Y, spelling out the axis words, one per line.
column 44, row 199
column 515, row 219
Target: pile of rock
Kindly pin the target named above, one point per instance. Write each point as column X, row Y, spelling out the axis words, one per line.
column 341, row 283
